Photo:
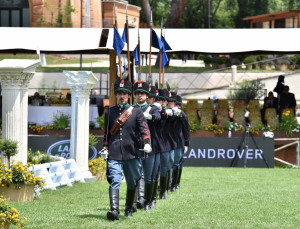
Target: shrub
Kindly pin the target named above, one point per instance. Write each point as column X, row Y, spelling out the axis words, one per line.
column 248, row 60
column 93, row 140
column 38, row 157
column 61, row 121
column 9, row 148
column 100, row 121
column 207, row 59
column 222, row 60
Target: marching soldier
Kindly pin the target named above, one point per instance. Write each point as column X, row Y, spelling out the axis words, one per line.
column 150, row 165
column 183, row 137
column 122, row 122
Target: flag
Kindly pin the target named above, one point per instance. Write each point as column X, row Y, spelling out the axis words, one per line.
column 124, row 35
column 156, row 42
column 135, row 55
column 118, row 42
column 166, row 45
column 164, row 59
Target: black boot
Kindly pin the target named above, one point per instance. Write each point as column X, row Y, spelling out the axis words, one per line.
column 154, row 193
column 178, row 180
column 163, row 186
column 148, row 196
column 141, row 189
column 168, row 181
column 113, row 214
column 134, row 206
column 129, row 202
column 174, row 180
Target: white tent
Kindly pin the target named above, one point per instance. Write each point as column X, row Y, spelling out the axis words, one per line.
column 96, row 40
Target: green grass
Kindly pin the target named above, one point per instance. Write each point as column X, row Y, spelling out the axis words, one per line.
column 208, row 198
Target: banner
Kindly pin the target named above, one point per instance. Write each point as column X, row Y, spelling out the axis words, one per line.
column 222, row 152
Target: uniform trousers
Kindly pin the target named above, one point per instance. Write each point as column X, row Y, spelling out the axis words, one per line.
column 166, row 162
column 131, row 169
column 150, row 168
column 177, row 157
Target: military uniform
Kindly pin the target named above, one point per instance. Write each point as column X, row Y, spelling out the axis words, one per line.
column 123, row 147
column 150, row 165
column 182, row 133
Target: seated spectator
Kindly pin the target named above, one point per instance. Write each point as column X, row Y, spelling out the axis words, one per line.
column 269, row 102
column 287, row 100
column 36, row 100
column 97, row 99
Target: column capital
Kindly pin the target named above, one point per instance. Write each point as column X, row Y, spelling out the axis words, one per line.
column 80, row 82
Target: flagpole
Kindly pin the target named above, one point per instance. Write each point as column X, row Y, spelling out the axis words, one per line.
column 160, row 55
column 150, row 44
column 163, row 80
column 139, row 49
column 119, row 57
column 128, row 51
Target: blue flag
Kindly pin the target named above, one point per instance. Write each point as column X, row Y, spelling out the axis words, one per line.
column 124, row 35
column 118, row 42
column 156, row 42
column 164, row 59
column 166, row 45
column 135, row 55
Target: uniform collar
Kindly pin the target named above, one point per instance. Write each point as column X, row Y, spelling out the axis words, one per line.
column 142, row 106
column 123, row 106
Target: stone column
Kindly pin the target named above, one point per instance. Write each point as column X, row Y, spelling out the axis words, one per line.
column 15, row 75
column 80, row 84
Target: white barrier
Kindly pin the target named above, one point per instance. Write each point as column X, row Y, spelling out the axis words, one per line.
column 58, row 173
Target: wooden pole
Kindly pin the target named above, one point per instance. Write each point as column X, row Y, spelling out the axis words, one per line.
column 160, row 57
column 128, row 50
column 119, row 57
column 150, row 44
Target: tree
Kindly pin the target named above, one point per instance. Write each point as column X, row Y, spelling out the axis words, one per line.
column 176, row 12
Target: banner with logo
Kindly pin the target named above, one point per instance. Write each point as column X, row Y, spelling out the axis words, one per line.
column 230, row 152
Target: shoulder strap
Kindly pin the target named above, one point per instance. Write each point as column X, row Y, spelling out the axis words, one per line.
column 147, row 111
column 121, row 120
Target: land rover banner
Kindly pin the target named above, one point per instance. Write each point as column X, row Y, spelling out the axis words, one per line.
column 205, row 152
column 223, row 152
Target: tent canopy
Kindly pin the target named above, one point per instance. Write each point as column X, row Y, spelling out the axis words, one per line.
column 100, row 41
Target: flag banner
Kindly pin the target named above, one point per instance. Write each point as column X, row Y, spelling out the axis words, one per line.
column 164, row 59
column 124, row 35
column 156, row 42
column 135, row 55
column 118, row 42
column 166, row 45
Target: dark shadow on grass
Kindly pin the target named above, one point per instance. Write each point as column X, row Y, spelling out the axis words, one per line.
column 92, row 216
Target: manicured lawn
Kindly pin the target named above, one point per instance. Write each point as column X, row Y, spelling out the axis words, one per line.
column 208, row 198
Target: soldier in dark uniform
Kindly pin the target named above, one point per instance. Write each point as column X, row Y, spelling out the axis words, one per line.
column 121, row 139
column 183, row 136
column 152, row 115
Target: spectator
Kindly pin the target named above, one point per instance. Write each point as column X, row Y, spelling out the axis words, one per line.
column 36, row 100
column 97, row 99
column 269, row 102
column 279, row 85
column 287, row 100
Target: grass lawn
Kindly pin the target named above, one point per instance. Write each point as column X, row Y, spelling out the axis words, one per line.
column 208, row 198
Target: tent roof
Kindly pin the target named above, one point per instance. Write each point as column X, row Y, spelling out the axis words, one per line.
column 97, row 41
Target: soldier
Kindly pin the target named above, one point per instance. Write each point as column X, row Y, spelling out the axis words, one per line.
column 122, row 122
column 183, row 136
column 152, row 115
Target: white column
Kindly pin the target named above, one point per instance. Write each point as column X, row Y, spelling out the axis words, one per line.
column 80, row 84
column 233, row 78
column 15, row 75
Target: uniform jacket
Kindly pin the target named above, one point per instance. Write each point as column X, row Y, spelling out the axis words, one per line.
column 125, row 144
column 182, row 131
column 152, row 126
column 163, row 145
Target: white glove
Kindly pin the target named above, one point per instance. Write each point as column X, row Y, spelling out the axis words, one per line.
column 104, row 153
column 147, row 148
column 169, row 112
column 147, row 116
column 185, row 149
column 176, row 111
column 158, row 106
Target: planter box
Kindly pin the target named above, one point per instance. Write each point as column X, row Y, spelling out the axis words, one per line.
column 5, row 226
column 24, row 194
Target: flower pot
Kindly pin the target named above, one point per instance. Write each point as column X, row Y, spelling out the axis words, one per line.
column 5, row 226
column 207, row 65
column 221, row 65
column 23, row 194
column 282, row 67
column 100, row 175
column 249, row 66
column 292, row 67
column 266, row 67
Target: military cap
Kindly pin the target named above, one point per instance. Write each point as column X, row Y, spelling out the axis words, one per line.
column 122, row 86
column 141, row 86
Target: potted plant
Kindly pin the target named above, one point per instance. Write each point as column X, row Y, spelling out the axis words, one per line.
column 288, row 122
column 293, row 62
column 248, row 61
column 282, row 64
column 18, row 182
column 97, row 167
column 237, row 62
column 10, row 215
column 207, row 61
column 221, row 61
column 9, row 148
column 60, row 102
